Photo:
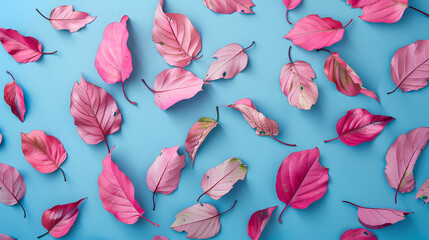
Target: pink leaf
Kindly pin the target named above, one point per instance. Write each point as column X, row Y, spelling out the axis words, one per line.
column 174, row 85
column 159, row 238
column 95, row 112
column 12, row 186
column 358, row 234
column 313, row 32
column 176, row 38
column 1, row 138
column 423, row 192
column 163, row 175
column 386, row 11
column 22, row 49
column 14, row 97
column 401, row 158
column 231, row 60
column 113, row 60
column 198, row 133
column 44, row 152
column 117, row 193
column 290, row 4
column 359, row 126
column 410, row 66
column 6, row 237
column 301, row 179
column 200, row 221
column 257, row 222
column 344, row 77
column 63, row 17
column 264, row 126
column 219, row 180
column 296, row 81
column 230, row 6
column 59, row 219
column 376, row 218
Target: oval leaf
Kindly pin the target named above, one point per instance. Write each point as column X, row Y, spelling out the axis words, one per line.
column 14, row 97
column 12, row 186
column 290, row 4
column 385, row 11
column 301, row 179
column 257, row 222
column 358, row 234
column 359, row 126
column 176, row 38
column 230, row 6
column 63, row 17
column 423, row 192
column 6, row 237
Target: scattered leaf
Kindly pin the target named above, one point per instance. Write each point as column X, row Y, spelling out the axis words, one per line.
column 14, row 97
column 63, row 17
column 423, row 192
column 257, row 222
column 6, row 237
column 358, row 234
column 159, row 238
column 12, row 186
column 291, row 4
column 386, row 11
column 1, row 138
column 229, row 6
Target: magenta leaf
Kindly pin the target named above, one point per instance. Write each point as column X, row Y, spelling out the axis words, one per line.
column 359, row 126
column 117, row 193
column 159, row 238
column 59, row 219
column 163, row 175
column 12, row 186
column 313, row 32
column 296, row 82
column 219, row 180
column 113, row 60
column 176, row 38
column 257, row 222
column 44, row 152
column 6, row 237
column 198, row 133
column 229, row 6
column 174, row 85
column 423, row 192
column 22, row 49
column 63, row 17
column 200, row 221
column 401, row 158
column 95, row 112
column 410, row 66
column 376, row 218
column 231, row 60
column 14, row 97
column 358, row 234
column 264, row 126
column 290, row 4
column 301, row 179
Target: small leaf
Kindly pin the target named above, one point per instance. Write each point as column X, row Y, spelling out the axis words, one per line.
column 63, row 17
column 159, row 238
column 290, row 4
column 358, row 234
column 14, row 97
column 230, row 6
column 1, row 138
column 12, row 186
column 6, row 237
column 257, row 222
column 423, row 192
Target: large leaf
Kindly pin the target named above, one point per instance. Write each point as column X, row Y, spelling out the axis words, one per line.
column 63, row 17
column 14, row 97
column 423, row 192
column 12, row 186
column 386, row 11
column 358, row 234
column 230, row 6
column 257, row 222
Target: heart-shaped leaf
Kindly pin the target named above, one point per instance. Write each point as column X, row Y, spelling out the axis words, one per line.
column 6, row 237
column 14, row 97
column 63, row 17
column 290, row 4
column 257, row 222
column 12, row 186
column 423, row 192
column 230, row 6
column 358, row 234
column 386, row 11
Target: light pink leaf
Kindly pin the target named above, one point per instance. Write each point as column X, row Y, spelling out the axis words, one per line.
column 344, row 77
column 198, row 133
column 200, row 221
column 163, row 175
column 63, row 17
column 159, row 238
column 219, row 180
column 257, row 222
column 44, row 152
column 264, row 126
column 296, row 82
column 230, row 6
column 95, row 112
column 313, row 32
column 376, row 218
column 359, row 126
column 1, row 138
column 231, row 60
column 59, row 219
column 423, row 192
column 12, row 186
column 6, row 237
column 386, row 11
column 22, row 49
column 410, row 66
column 290, row 4
column 14, row 97
column 358, row 234
column 117, row 193
column 176, row 38
column 174, row 85
column 113, row 60
column 301, row 179
column 401, row 158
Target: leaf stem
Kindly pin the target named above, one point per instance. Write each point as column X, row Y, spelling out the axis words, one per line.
column 280, row 217
column 394, row 89
column 286, row 16
column 155, row 224
column 229, row 208
column 42, row 14
column 324, row 49
column 351, row 20
column 197, row 57
column 153, row 200
column 418, row 10
column 107, row 144
column 43, row 234
column 149, row 87
column 352, row 204
column 217, row 113
column 201, row 196
column 23, row 209
column 290, row 59
column 48, row 52
column 123, row 90
column 249, row 46
column 10, row 75
column 330, row 140
column 65, row 180
column 292, row 145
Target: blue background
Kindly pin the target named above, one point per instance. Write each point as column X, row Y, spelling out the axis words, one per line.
column 356, row 173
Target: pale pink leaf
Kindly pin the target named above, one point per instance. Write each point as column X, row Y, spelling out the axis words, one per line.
column 231, row 60
column 163, row 175
column 219, row 180
column 6, row 237
column 12, row 186
column 159, row 238
column 385, row 11
column 230, row 6
column 359, row 126
column 401, row 158
column 376, row 218
column 301, row 179
column 176, row 38
column 63, row 17
column 313, row 32
column 257, row 222
column 290, row 4
column 358, row 234
column 14, row 97
column 44, row 152
column 423, row 192
column 174, row 85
